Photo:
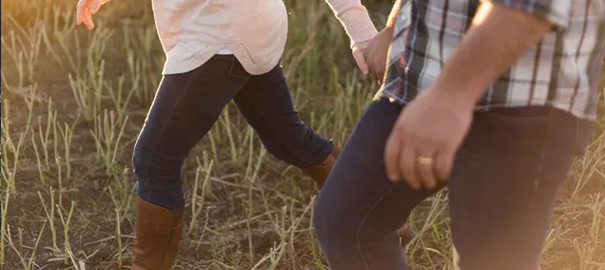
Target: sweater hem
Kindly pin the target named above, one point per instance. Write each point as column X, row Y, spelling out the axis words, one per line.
column 173, row 67
column 200, row 57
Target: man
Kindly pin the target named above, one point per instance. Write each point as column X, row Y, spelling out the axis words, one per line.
column 496, row 97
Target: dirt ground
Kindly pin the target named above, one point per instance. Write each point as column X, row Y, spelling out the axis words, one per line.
column 73, row 102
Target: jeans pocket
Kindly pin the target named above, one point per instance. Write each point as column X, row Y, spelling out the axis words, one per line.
column 510, row 132
column 522, row 114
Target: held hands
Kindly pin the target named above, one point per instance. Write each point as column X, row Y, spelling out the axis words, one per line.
column 85, row 10
column 374, row 54
column 371, row 55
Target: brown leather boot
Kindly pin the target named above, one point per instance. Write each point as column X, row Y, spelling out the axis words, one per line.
column 319, row 172
column 158, row 233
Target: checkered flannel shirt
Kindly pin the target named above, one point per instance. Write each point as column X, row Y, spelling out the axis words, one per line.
column 563, row 70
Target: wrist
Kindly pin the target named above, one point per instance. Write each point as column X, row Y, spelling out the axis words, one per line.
column 358, row 25
column 389, row 28
column 360, row 44
column 461, row 96
column 387, row 32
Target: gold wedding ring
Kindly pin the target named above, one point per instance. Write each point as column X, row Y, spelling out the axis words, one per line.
column 425, row 161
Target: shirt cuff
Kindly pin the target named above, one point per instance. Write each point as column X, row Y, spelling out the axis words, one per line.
column 358, row 25
column 557, row 12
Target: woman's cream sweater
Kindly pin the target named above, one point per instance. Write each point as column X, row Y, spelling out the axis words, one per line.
column 255, row 31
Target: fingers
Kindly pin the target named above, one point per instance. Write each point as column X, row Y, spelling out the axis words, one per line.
column 415, row 161
column 87, row 18
column 369, row 62
column 377, row 75
column 444, row 163
column 358, row 55
column 425, row 168
column 407, row 165
column 79, row 8
column 83, row 12
column 377, row 72
column 418, row 168
column 391, row 156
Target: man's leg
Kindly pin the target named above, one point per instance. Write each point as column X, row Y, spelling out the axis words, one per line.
column 184, row 109
column 503, row 187
column 359, row 210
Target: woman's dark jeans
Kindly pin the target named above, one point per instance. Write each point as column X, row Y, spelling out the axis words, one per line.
column 501, row 191
column 187, row 105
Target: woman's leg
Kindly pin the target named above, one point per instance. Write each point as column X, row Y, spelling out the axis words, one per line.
column 359, row 210
column 186, row 106
column 266, row 104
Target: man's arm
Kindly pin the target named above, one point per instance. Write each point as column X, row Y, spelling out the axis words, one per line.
column 431, row 128
column 497, row 38
column 393, row 15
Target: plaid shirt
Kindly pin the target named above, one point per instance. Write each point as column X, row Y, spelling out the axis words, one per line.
column 562, row 70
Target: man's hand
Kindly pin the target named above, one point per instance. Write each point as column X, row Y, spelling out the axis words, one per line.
column 426, row 137
column 375, row 53
column 430, row 129
column 85, row 10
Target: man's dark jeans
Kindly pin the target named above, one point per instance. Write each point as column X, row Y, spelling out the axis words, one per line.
column 501, row 191
column 187, row 105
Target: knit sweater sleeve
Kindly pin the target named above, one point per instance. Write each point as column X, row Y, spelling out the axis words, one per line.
column 355, row 19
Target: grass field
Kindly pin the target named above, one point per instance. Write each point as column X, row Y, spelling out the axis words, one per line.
column 73, row 102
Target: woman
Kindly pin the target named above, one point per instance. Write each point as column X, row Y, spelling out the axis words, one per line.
column 218, row 51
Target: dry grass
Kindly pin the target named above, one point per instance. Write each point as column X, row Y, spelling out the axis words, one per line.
column 74, row 101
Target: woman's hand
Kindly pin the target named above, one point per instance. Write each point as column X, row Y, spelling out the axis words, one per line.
column 85, row 10
column 358, row 54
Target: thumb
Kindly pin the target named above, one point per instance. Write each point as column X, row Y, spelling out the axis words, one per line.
column 361, row 60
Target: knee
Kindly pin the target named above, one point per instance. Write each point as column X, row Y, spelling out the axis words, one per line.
column 152, row 165
column 140, row 159
column 159, row 179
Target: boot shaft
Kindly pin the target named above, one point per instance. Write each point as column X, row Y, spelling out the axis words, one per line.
column 158, row 233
